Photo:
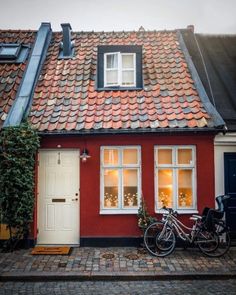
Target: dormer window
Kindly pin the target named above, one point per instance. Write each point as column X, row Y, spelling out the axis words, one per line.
column 119, row 67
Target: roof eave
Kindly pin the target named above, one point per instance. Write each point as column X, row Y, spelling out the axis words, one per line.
column 133, row 131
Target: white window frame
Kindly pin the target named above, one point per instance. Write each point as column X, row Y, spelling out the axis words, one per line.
column 175, row 167
column 120, row 167
column 120, row 69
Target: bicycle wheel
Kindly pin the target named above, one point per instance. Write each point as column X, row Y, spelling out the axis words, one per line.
column 218, row 242
column 159, row 239
column 207, row 241
column 224, row 240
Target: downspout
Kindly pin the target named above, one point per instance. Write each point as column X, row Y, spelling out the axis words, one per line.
column 25, row 93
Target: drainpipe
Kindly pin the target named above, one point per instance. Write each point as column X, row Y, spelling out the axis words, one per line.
column 66, row 46
column 25, row 93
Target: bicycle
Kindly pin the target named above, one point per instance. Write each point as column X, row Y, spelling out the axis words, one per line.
column 160, row 236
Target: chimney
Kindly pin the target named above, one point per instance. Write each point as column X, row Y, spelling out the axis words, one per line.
column 67, row 46
column 191, row 28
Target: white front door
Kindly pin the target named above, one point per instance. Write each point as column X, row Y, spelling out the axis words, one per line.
column 58, row 199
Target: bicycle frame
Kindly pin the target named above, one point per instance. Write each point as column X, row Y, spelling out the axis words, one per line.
column 179, row 227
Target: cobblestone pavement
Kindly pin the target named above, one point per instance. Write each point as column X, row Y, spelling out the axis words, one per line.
column 141, row 287
column 115, row 261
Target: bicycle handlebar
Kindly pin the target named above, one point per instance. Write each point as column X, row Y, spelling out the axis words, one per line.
column 170, row 210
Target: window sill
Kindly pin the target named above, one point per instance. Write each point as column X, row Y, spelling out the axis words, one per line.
column 179, row 211
column 116, row 88
column 120, row 211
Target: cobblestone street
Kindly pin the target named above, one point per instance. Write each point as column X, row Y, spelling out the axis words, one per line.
column 115, row 261
column 135, row 288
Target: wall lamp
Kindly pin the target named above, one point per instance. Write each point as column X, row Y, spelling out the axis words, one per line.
column 85, row 155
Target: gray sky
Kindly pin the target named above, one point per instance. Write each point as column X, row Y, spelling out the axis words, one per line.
column 208, row 16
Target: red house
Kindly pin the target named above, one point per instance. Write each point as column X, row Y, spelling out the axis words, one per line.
column 121, row 115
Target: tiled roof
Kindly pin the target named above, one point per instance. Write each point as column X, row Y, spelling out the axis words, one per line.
column 66, row 98
column 221, row 69
column 11, row 74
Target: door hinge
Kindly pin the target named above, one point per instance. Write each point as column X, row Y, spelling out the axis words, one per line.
column 37, row 230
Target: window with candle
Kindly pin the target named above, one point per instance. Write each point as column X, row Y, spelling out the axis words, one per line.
column 175, row 171
column 120, row 179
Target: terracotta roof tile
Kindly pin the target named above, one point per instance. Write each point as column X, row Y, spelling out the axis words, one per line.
column 168, row 99
column 11, row 74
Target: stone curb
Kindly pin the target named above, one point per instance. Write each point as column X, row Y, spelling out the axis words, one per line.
column 118, row 276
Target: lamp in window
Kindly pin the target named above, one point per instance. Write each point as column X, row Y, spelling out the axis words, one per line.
column 85, row 155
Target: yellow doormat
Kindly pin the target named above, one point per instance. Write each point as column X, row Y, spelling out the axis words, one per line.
column 51, row 251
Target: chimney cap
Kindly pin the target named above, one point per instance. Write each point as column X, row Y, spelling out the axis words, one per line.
column 191, row 28
column 66, row 25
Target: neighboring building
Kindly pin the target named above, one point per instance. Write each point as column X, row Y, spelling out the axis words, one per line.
column 15, row 48
column 215, row 59
column 15, row 71
column 121, row 115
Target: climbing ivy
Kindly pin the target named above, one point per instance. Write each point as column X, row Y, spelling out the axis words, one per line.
column 18, row 146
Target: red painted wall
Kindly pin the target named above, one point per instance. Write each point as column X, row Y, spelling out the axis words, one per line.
column 92, row 224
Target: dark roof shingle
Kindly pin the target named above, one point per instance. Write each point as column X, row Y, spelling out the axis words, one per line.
column 219, row 56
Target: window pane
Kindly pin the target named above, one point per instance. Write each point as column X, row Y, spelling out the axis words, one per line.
column 9, row 50
column 111, row 157
column 164, row 156
column 112, row 77
column 128, row 78
column 165, row 188
column 184, row 156
column 127, row 61
column 185, row 190
column 130, row 189
column 111, row 179
column 130, row 156
column 112, row 61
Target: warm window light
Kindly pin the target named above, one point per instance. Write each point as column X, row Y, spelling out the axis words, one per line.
column 85, row 155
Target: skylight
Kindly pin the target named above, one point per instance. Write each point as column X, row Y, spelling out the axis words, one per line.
column 13, row 53
column 9, row 51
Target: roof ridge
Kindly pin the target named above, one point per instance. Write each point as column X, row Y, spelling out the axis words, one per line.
column 17, row 31
column 233, row 35
column 123, row 31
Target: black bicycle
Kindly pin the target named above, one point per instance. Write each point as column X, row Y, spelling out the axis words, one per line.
column 209, row 232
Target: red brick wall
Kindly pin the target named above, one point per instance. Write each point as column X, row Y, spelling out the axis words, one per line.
column 92, row 224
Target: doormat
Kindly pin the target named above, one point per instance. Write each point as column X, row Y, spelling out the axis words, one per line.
column 51, row 251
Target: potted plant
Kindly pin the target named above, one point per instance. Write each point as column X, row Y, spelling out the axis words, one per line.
column 144, row 218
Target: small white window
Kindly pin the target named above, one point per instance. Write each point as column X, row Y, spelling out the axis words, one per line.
column 175, row 178
column 120, row 180
column 119, row 69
